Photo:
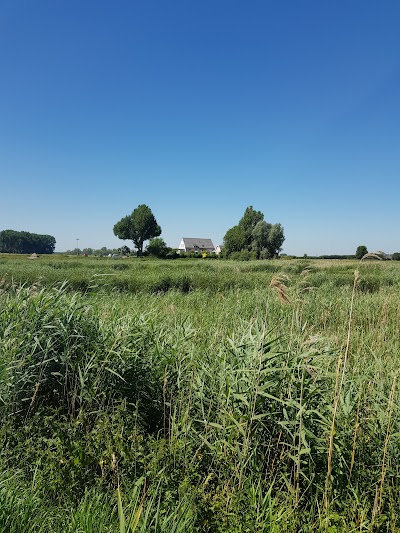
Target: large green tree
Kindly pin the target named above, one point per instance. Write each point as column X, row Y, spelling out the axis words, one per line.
column 276, row 239
column 267, row 239
column 260, row 238
column 138, row 227
column 234, row 240
column 253, row 233
column 248, row 222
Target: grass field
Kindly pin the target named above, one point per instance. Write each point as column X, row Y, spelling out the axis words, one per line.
column 199, row 395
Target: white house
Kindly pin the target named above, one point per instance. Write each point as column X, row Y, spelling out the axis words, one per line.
column 189, row 244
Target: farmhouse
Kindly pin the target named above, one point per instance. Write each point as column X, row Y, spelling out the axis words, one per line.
column 189, row 244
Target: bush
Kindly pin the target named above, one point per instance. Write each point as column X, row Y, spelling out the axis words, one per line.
column 157, row 247
column 396, row 256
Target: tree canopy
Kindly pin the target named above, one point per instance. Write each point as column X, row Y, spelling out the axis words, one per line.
column 248, row 222
column 234, row 240
column 138, row 227
column 23, row 242
column 254, row 234
column 157, row 247
column 361, row 251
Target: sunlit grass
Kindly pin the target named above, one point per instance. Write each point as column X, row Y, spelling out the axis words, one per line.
column 199, row 395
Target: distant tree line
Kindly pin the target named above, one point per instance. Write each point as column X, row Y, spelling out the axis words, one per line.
column 95, row 251
column 362, row 252
column 23, row 242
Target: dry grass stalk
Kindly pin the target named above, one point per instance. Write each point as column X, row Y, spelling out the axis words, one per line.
column 279, row 283
column 371, row 256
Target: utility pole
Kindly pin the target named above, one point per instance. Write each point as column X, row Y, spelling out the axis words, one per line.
column 77, row 246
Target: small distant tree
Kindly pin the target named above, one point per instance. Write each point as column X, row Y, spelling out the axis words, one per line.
column 361, row 251
column 103, row 251
column 88, row 251
column 396, row 256
column 138, row 227
column 157, row 247
column 124, row 250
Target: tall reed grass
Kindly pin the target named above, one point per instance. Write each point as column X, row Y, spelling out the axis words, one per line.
column 267, row 401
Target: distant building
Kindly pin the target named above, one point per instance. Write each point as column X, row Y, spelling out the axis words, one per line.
column 218, row 249
column 189, row 244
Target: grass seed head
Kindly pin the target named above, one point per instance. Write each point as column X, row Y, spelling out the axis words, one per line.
column 280, row 283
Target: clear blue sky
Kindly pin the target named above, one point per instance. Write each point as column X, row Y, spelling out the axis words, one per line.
column 199, row 108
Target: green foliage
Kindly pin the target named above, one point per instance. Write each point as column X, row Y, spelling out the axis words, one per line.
column 55, row 363
column 172, row 254
column 157, row 247
column 361, row 251
column 248, row 222
column 124, row 250
column 138, row 227
column 275, row 239
column 260, row 239
column 253, row 234
column 234, row 240
column 267, row 239
column 396, row 256
column 200, row 400
column 23, row 242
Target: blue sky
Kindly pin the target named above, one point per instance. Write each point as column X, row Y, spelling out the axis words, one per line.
column 199, row 109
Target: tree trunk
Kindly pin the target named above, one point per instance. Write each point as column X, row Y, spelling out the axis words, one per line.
column 139, row 246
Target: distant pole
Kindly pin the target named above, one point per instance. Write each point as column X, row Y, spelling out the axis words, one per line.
column 77, row 246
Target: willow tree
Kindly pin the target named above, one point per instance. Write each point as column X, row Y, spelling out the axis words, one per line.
column 253, row 233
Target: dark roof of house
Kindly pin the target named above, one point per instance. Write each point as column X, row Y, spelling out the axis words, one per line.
column 198, row 243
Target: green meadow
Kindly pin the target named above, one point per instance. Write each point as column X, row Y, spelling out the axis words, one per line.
column 202, row 395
